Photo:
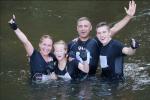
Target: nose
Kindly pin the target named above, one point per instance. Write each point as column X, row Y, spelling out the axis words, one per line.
column 82, row 28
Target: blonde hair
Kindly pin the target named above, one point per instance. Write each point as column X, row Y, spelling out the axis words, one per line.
column 45, row 37
column 62, row 43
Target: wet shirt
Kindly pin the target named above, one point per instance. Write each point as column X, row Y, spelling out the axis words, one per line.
column 70, row 71
column 93, row 46
column 39, row 65
column 63, row 73
column 111, row 60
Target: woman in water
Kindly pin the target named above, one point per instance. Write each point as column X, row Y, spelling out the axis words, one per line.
column 42, row 61
column 70, row 69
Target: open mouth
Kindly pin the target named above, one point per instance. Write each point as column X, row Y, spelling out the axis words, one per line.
column 59, row 56
column 83, row 32
column 46, row 51
column 102, row 39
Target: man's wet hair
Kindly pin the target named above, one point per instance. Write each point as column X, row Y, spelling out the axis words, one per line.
column 101, row 24
column 83, row 18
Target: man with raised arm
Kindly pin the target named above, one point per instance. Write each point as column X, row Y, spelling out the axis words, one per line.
column 92, row 46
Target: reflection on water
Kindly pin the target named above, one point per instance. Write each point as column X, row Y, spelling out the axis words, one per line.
column 138, row 74
column 137, row 79
column 37, row 17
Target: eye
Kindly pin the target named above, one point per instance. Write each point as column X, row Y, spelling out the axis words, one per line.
column 104, row 32
column 85, row 25
column 56, row 52
column 49, row 45
column 44, row 44
column 98, row 33
column 80, row 26
column 61, row 51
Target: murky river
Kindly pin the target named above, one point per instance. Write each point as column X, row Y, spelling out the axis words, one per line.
column 58, row 18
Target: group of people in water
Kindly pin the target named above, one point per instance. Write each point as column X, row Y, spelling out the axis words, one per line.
column 79, row 59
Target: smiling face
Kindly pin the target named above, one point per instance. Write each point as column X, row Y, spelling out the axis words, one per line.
column 45, row 45
column 60, row 50
column 103, row 34
column 84, row 27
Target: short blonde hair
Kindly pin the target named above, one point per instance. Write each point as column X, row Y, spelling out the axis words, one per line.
column 61, row 42
column 83, row 18
column 45, row 37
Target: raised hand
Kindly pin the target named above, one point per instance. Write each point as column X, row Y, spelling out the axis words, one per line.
column 132, row 8
column 83, row 55
column 12, row 23
column 22, row 37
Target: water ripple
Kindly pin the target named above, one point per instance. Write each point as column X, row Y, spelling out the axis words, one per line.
column 138, row 74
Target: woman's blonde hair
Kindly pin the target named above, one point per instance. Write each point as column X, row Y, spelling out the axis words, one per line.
column 61, row 42
column 45, row 37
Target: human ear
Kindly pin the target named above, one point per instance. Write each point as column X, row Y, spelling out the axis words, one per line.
column 39, row 45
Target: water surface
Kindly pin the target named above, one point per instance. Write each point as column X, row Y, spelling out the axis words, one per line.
column 58, row 18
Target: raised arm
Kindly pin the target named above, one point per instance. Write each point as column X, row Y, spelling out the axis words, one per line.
column 130, row 13
column 27, row 44
column 131, row 50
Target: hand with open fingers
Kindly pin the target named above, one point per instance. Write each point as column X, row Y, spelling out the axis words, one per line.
column 12, row 23
column 83, row 55
column 132, row 8
column 134, row 44
column 78, row 57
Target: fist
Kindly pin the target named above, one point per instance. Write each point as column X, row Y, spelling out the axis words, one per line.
column 12, row 23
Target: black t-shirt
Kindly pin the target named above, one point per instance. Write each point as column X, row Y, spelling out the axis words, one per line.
column 71, row 71
column 111, row 60
column 93, row 46
column 39, row 65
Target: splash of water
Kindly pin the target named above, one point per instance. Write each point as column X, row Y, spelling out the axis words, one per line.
column 139, row 75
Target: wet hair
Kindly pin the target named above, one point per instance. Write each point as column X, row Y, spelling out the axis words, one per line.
column 101, row 24
column 83, row 18
column 45, row 37
column 61, row 42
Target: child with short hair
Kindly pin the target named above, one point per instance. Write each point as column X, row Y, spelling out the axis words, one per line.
column 69, row 69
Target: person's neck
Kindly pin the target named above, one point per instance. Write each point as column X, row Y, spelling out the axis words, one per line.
column 46, row 57
column 84, row 39
column 107, row 41
column 62, row 63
